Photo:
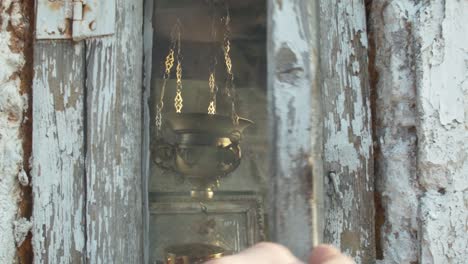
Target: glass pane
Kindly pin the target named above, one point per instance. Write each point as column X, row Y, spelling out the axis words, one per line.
column 209, row 168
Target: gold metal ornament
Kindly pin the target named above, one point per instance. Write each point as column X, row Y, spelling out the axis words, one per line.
column 203, row 147
column 193, row 253
column 178, row 101
column 212, row 85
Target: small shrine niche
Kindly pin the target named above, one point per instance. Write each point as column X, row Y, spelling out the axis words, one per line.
column 208, row 129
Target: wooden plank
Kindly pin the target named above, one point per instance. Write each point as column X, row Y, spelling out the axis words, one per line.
column 58, row 153
column 348, row 150
column 291, row 75
column 114, row 140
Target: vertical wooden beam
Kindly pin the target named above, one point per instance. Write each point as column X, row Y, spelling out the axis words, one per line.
column 114, row 138
column 58, row 153
column 147, row 69
column 291, row 75
column 348, row 150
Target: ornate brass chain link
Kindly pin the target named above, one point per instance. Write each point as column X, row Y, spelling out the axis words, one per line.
column 212, row 85
column 178, row 100
column 169, row 63
column 212, row 76
column 229, row 88
column 159, row 107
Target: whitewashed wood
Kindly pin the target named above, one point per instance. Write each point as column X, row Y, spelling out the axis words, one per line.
column 58, row 173
column 291, row 75
column 98, row 19
column 72, row 19
column 348, row 149
column 52, row 19
column 114, row 124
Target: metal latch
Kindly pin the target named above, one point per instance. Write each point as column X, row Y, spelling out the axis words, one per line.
column 74, row 19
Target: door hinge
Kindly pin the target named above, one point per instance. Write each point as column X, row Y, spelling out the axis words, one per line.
column 77, row 11
column 74, row 19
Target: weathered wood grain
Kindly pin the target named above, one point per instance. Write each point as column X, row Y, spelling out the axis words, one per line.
column 348, row 150
column 114, row 138
column 292, row 65
column 58, row 173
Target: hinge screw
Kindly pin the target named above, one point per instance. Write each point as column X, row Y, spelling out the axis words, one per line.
column 92, row 25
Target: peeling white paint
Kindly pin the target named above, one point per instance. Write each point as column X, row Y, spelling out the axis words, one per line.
column 421, row 61
column 444, row 227
column 348, row 146
column 23, row 178
column 22, row 227
column 442, row 33
column 58, row 154
column 291, row 78
column 422, row 132
column 114, row 224
column 12, row 107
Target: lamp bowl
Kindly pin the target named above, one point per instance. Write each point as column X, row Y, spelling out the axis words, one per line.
column 201, row 147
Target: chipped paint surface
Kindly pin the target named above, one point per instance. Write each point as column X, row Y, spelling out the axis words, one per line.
column 348, row 149
column 114, row 216
column 421, row 128
column 12, row 107
column 22, row 227
column 58, row 153
column 87, row 146
column 442, row 86
column 292, row 73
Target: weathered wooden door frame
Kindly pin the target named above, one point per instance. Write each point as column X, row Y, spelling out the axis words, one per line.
column 91, row 135
column 322, row 187
column 347, row 130
column 321, row 167
column 87, row 125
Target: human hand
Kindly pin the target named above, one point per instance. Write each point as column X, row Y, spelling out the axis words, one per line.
column 270, row 253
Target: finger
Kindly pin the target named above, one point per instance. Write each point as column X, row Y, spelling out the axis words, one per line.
column 262, row 253
column 326, row 254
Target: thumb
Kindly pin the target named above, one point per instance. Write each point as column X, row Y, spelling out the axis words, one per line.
column 326, row 254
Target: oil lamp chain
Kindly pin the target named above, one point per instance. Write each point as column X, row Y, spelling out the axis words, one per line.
column 212, row 78
column 229, row 88
column 212, row 85
column 178, row 100
column 168, row 64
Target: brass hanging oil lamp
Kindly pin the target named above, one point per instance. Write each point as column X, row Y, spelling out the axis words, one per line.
column 193, row 253
column 201, row 146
